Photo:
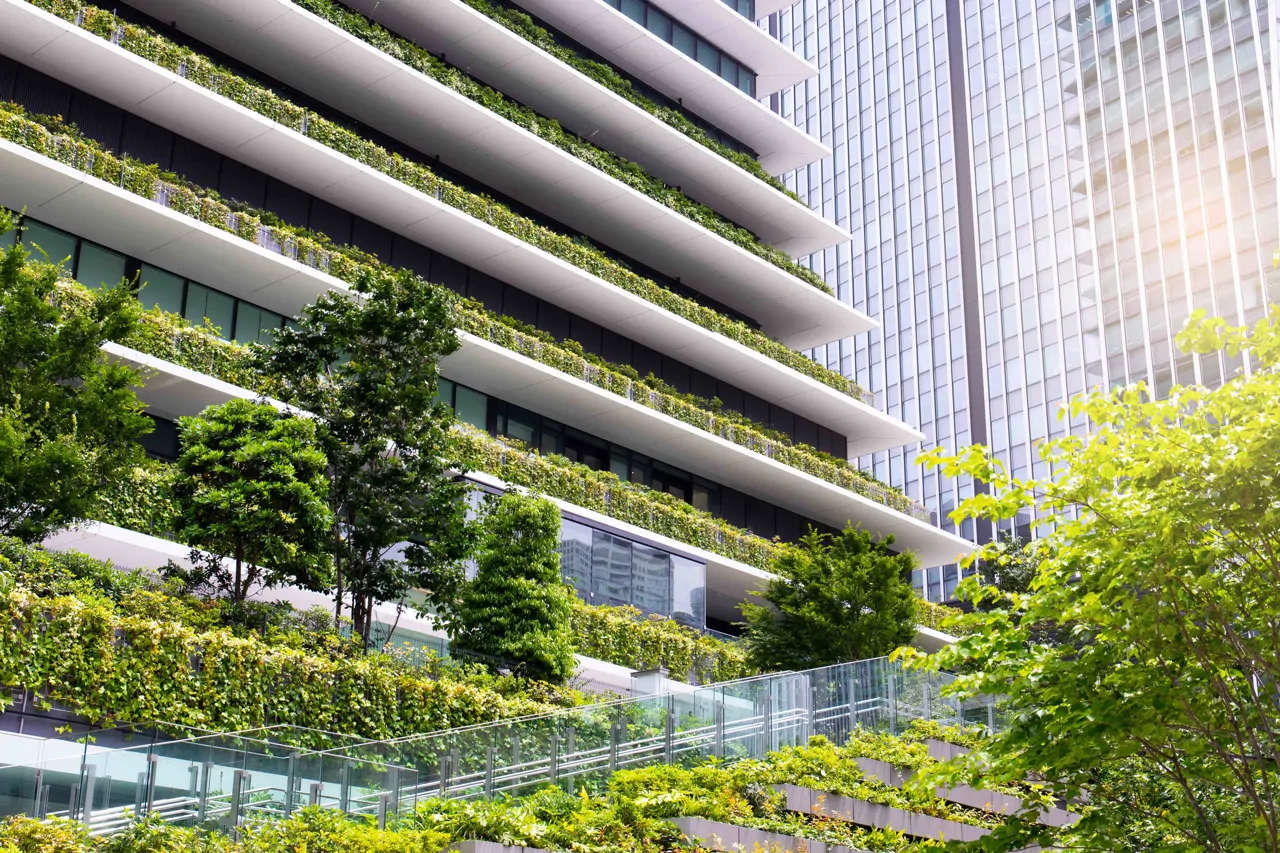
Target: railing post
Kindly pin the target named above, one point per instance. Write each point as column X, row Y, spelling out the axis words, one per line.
column 291, row 783
column 153, row 763
column 766, row 722
column 86, row 810
column 717, row 748
column 237, row 793
column 893, row 703
column 393, row 783
column 202, row 804
column 669, row 732
column 488, row 771
column 36, row 794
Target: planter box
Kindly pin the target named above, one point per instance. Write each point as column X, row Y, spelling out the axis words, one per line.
column 489, row 847
column 876, row 816
column 727, row 837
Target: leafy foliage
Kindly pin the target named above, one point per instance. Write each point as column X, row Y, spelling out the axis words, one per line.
column 251, row 487
column 69, row 419
column 517, row 607
column 521, row 23
column 368, row 369
column 200, row 71
column 624, row 636
column 625, row 171
column 834, row 599
column 139, row 661
column 1161, row 581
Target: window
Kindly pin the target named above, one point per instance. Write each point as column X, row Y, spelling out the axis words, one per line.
column 99, row 267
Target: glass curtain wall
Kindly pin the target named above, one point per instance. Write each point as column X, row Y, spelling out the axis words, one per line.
column 883, row 102
column 1123, row 175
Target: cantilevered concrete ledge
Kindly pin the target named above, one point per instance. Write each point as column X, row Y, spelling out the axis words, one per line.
column 535, row 386
column 100, row 211
column 777, row 67
column 95, row 210
column 171, row 391
column 534, row 77
column 640, row 53
column 290, row 43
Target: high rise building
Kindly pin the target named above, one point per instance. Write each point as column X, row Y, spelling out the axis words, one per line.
column 596, row 179
column 1048, row 190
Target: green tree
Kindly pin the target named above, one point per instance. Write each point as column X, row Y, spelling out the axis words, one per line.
column 369, row 368
column 518, row 606
column 252, row 488
column 835, row 599
column 69, row 418
column 1162, row 574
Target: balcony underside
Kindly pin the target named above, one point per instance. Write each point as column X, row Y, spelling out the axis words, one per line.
column 291, row 44
column 617, row 38
column 777, row 67
column 512, row 377
column 530, row 75
column 98, row 211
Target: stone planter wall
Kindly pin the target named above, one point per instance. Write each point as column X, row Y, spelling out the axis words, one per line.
column 963, row 795
column 876, row 816
column 714, row 835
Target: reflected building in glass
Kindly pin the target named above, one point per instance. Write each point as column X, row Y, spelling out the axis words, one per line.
column 1039, row 195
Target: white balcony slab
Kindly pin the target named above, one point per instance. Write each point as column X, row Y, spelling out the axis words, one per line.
column 96, row 210
column 765, row 8
column 631, row 47
column 54, row 46
column 534, row 77
column 777, row 67
column 502, row 373
column 289, row 43
column 171, row 391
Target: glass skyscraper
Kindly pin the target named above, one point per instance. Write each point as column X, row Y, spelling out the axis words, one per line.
column 1039, row 195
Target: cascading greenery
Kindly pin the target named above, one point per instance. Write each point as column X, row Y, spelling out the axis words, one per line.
column 551, row 131
column 631, row 812
column 114, row 645
column 52, row 138
column 623, row 635
column 523, row 25
column 474, row 318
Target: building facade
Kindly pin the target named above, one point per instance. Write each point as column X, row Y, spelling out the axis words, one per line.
column 1065, row 184
column 596, row 179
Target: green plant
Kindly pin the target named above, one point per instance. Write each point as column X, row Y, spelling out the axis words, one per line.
column 200, row 71
column 111, row 665
column 624, row 636
column 250, row 486
column 517, row 607
column 69, row 419
column 369, row 369
column 551, row 131
column 1157, row 572
column 523, row 25
column 140, row 498
column 833, row 599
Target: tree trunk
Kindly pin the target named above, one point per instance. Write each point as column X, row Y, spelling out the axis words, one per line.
column 237, row 595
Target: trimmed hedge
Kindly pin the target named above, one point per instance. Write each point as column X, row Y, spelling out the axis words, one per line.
column 201, row 71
